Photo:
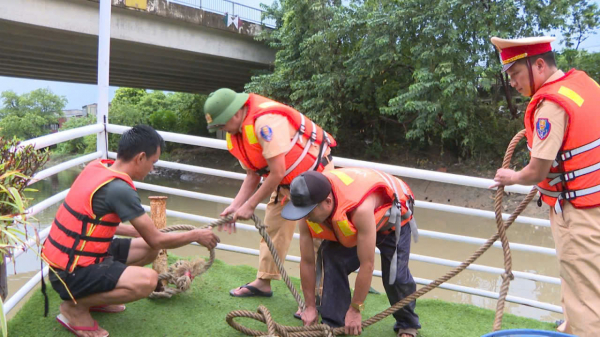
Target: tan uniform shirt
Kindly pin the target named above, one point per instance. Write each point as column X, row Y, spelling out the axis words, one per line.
column 575, row 232
column 548, row 147
column 279, row 139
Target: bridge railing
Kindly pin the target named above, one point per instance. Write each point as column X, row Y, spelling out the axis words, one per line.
column 246, row 13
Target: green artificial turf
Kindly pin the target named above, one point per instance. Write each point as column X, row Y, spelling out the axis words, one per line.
column 202, row 310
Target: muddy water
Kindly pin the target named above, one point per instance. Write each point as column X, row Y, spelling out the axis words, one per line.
column 430, row 220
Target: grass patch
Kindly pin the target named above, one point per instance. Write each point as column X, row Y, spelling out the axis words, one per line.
column 202, row 310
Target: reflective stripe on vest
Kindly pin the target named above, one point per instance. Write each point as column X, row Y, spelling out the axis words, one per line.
column 568, row 195
column 349, row 195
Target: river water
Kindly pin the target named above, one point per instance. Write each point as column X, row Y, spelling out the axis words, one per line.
column 28, row 264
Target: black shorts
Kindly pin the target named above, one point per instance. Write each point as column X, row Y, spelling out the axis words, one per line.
column 95, row 278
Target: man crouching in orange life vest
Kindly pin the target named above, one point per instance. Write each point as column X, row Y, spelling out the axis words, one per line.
column 562, row 124
column 275, row 141
column 353, row 210
column 100, row 271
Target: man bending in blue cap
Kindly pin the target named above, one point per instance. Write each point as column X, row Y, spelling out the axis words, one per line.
column 354, row 210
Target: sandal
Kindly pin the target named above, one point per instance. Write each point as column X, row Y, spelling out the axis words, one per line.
column 253, row 292
column 65, row 322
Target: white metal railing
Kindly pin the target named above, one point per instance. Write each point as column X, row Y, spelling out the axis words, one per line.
column 418, row 280
column 101, row 128
column 422, row 232
column 400, row 171
column 63, row 166
column 415, row 257
column 418, row 203
column 219, row 144
column 63, row 136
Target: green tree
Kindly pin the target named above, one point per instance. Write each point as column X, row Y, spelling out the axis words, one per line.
column 129, row 95
column 173, row 112
column 417, row 72
column 163, row 120
column 85, row 144
column 29, row 115
column 580, row 59
column 189, row 110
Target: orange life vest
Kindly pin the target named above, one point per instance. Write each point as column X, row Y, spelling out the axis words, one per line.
column 575, row 174
column 77, row 238
column 350, row 187
column 246, row 148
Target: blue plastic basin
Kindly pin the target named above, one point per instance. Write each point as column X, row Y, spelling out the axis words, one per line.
column 526, row 333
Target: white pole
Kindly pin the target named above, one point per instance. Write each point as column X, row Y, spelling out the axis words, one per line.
column 23, row 291
column 103, row 68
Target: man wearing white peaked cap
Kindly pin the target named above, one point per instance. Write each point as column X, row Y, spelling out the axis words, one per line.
column 562, row 123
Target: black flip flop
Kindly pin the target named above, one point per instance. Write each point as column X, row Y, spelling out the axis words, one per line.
column 253, row 292
column 297, row 316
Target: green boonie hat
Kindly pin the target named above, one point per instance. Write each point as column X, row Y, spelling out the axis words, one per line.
column 221, row 105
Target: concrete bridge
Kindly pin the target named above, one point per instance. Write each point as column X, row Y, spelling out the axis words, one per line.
column 155, row 44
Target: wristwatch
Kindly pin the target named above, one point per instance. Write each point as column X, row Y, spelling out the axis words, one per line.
column 358, row 306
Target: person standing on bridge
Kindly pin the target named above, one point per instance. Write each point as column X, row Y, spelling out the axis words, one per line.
column 102, row 272
column 276, row 142
column 354, row 210
column 563, row 134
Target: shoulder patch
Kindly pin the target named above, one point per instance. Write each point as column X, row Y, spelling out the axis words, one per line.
column 266, row 133
column 542, row 128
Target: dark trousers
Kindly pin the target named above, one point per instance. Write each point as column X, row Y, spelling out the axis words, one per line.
column 340, row 261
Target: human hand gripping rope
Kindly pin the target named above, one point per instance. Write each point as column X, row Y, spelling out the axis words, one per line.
column 275, row 329
column 182, row 273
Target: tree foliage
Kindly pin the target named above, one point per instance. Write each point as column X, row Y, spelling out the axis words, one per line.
column 173, row 112
column 85, row 144
column 29, row 115
column 580, row 59
column 413, row 72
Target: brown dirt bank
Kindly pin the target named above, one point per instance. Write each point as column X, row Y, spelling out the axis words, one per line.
column 456, row 195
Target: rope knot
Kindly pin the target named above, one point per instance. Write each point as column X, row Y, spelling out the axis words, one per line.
column 508, row 275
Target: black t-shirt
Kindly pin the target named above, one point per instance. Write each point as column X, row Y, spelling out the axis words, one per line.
column 117, row 197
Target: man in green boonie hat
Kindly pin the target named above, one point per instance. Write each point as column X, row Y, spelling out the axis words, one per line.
column 221, row 106
column 276, row 142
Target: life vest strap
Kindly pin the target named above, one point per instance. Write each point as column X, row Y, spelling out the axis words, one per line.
column 302, row 127
column 567, row 195
column 311, row 140
column 76, row 235
column 83, row 217
column 566, row 155
column 299, row 159
column 567, row 176
column 70, row 251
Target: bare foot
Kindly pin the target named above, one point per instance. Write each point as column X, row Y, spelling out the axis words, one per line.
column 80, row 316
column 260, row 284
column 562, row 327
column 108, row 308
